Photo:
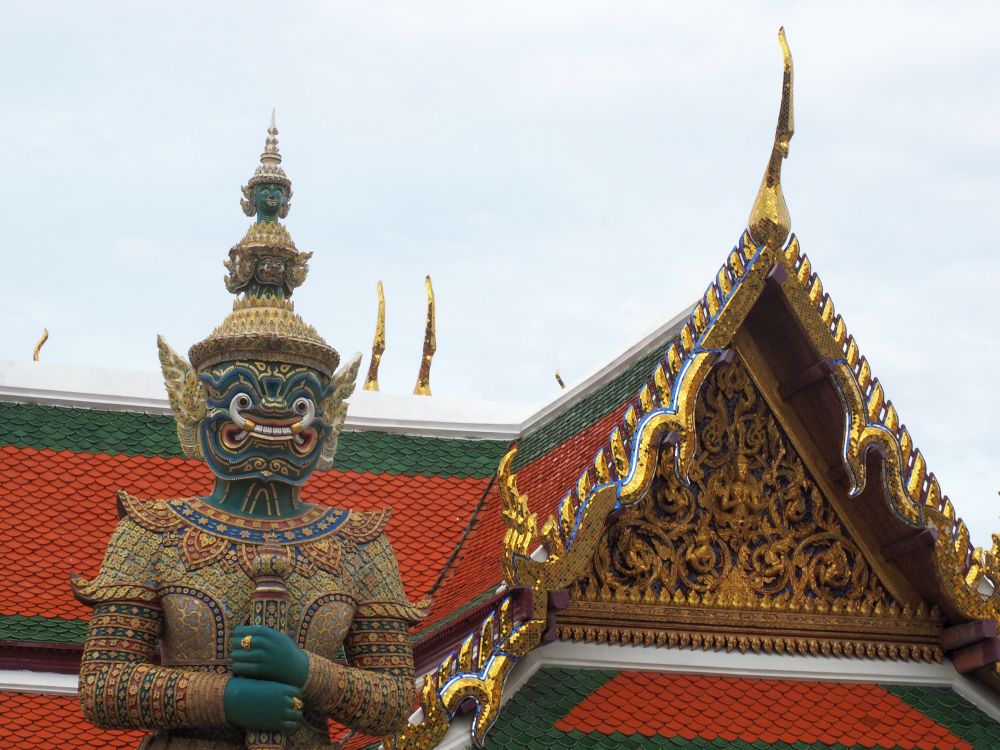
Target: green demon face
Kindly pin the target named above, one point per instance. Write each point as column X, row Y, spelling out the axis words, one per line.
column 271, row 201
column 264, row 420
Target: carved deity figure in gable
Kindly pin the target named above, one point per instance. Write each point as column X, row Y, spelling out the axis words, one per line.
column 751, row 533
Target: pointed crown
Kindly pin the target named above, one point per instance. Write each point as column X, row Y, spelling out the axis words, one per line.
column 264, row 268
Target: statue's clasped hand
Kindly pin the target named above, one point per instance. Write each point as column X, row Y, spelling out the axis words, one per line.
column 268, row 655
column 269, row 670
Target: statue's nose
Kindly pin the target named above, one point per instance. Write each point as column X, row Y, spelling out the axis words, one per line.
column 273, row 406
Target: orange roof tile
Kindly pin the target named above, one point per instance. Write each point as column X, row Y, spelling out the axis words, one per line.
column 58, row 509
column 476, row 567
column 751, row 710
column 43, row 722
column 546, row 480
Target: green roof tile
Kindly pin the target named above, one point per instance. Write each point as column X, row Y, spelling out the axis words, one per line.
column 135, row 434
column 588, row 410
column 951, row 710
column 42, row 629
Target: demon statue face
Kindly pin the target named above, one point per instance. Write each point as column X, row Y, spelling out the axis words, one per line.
column 264, row 420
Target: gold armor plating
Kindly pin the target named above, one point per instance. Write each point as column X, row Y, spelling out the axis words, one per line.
column 185, row 568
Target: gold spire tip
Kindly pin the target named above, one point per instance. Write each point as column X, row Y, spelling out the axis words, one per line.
column 378, row 345
column 770, row 222
column 40, row 344
column 423, row 386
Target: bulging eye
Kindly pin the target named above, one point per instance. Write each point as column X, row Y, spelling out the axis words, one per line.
column 242, row 401
column 301, row 405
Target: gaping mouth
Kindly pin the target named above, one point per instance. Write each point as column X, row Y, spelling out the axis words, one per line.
column 235, row 437
column 237, row 432
column 271, row 202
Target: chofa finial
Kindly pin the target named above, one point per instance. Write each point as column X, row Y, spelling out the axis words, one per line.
column 423, row 387
column 378, row 345
column 40, row 344
column 770, row 222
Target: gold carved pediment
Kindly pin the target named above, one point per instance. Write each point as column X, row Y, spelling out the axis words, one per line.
column 749, row 555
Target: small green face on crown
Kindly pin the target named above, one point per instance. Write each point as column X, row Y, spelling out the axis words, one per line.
column 271, row 201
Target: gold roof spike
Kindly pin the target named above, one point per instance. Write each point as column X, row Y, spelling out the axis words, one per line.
column 559, row 379
column 378, row 345
column 770, row 222
column 40, row 344
column 423, row 386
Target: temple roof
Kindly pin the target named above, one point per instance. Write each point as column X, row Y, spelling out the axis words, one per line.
column 611, row 710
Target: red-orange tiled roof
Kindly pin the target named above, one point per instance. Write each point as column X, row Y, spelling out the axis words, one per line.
column 547, row 480
column 476, row 568
column 656, row 704
column 58, row 510
column 33, row 721
column 46, row 722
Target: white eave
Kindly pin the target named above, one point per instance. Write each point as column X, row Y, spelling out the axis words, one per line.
column 140, row 391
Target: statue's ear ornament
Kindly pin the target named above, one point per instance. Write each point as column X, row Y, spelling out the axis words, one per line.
column 188, row 399
column 334, row 407
column 246, row 202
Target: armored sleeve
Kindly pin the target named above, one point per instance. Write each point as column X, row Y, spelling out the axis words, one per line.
column 375, row 692
column 119, row 684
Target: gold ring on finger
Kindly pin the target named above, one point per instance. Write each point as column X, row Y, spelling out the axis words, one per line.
column 245, row 641
column 297, row 703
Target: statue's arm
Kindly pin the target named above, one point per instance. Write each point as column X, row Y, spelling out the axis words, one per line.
column 375, row 694
column 120, row 687
column 119, row 684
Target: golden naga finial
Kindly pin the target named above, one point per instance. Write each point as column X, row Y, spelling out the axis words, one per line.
column 770, row 222
column 40, row 344
column 378, row 345
column 423, row 386
column 559, row 379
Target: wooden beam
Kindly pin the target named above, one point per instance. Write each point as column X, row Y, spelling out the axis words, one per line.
column 558, row 600
column 920, row 541
column 977, row 655
column 959, row 636
column 810, row 376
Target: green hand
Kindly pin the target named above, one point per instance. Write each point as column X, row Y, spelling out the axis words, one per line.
column 258, row 704
column 271, row 656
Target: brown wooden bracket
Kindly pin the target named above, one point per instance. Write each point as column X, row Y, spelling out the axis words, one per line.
column 960, row 636
column 522, row 599
column 558, row 600
column 971, row 645
column 776, row 276
column 920, row 541
column 977, row 655
column 809, row 376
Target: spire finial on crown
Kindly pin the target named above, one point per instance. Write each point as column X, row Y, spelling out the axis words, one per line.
column 770, row 222
column 271, row 154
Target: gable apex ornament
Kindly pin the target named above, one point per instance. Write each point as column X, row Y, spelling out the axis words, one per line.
column 770, row 222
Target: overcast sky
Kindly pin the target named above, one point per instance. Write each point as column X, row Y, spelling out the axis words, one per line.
column 571, row 174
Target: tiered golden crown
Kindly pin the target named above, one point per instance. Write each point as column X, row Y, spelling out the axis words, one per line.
column 264, row 268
